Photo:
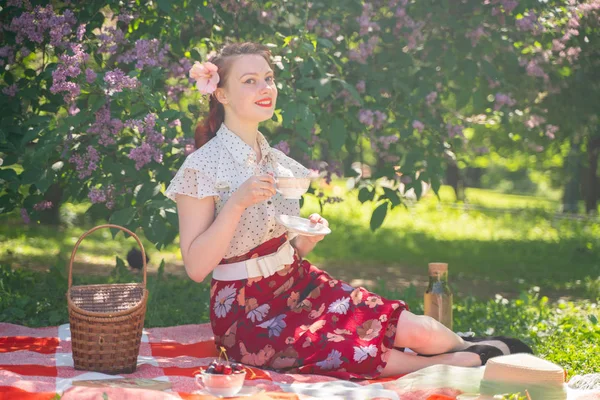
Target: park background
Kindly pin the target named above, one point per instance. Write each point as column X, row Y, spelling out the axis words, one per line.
column 456, row 131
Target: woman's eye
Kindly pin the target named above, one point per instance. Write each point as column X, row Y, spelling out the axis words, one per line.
column 250, row 81
column 270, row 79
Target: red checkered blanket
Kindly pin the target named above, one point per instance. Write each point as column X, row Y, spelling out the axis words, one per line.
column 36, row 364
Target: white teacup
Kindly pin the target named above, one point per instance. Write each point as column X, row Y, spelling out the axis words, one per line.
column 290, row 187
column 220, row 384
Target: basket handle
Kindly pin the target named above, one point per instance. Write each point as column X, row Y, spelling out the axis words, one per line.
column 95, row 229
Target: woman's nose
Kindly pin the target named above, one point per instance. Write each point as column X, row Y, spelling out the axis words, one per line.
column 265, row 86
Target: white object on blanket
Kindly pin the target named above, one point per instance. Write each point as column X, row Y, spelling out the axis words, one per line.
column 587, row 382
column 341, row 390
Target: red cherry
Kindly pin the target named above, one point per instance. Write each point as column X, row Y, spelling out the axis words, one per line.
column 227, row 370
column 219, row 368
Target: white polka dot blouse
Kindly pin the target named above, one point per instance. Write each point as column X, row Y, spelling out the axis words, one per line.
column 220, row 167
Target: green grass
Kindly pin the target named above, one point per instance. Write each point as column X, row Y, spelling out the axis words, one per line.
column 511, row 244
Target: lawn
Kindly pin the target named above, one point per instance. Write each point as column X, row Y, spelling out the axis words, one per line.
column 516, row 267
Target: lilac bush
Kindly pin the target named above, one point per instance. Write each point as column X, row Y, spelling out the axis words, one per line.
column 97, row 102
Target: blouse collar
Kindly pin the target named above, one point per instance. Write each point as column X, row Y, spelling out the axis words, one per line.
column 241, row 151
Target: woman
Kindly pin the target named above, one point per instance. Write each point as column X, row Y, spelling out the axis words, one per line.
column 270, row 307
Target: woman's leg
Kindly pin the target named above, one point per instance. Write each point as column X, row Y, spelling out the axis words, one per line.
column 425, row 335
column 402, row 363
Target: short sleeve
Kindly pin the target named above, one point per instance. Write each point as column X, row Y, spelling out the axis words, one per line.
column 191, row 182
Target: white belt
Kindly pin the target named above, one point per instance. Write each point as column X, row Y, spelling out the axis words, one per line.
column 264, row 266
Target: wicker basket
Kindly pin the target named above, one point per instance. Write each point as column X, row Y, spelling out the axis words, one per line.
column 106, row 320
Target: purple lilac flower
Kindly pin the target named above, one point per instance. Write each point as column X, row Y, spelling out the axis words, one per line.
column 476, row 34
column 25, row 216
column 454, row 130
column 10, row 90
column 283, row 146
column 386, row 141
column 145, row 53
column 117, row 81
column 418, row 125
column 361, row 86
column 42, row 205
column 551, row 131
column 142, row 155
column 90, row 75
column 34, row 25
column 534, row 121
column 87, row 163
column 502, row 99
column 366, row 117
column 110, row 39
column 430, row 98
column 68, row 67
column 7, row 52
column 105, row 126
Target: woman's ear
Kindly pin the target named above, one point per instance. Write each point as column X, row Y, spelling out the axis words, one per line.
column 221, row 96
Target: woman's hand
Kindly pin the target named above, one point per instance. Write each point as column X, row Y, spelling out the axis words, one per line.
column 254, row 190
column 316, row 219
column 305, row 244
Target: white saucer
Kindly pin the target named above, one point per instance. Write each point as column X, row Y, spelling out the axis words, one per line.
column 302, row 226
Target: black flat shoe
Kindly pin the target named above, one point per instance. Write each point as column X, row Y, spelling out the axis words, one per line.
column 484, row 351
column 514, row 345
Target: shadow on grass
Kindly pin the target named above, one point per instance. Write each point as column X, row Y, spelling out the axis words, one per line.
column 503, row 265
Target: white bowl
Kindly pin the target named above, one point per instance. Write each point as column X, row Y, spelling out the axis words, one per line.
column 290, row 187
column 220, row 384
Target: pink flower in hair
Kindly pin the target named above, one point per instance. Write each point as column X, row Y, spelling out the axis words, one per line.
column 206, row 77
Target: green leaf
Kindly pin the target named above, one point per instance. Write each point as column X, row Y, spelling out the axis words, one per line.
column 147, row 191
column 379, row 215
column 164, row 5
column 289, row 114
column 122, row 218
column 490, row 70
column 462, row 99
column 207, row 13
column 392, row 196
column 350, row 88
column 155, row 228
column 337, row 134
column 366, row 194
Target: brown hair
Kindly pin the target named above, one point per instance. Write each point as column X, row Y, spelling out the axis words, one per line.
column 207, row 128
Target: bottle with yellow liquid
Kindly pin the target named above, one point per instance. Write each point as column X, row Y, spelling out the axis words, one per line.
column 438, row 296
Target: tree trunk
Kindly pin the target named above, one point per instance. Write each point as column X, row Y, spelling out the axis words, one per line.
column 51, row 216
column 453, row 179
column 591, row 198
column 572, row 193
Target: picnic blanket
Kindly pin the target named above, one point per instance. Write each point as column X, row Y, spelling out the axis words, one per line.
column 37, row 364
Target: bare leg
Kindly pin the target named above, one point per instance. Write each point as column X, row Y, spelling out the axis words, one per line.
column 402, row 363
column 425, row 335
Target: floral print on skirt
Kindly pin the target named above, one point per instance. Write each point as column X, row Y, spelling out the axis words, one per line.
column 301, row 320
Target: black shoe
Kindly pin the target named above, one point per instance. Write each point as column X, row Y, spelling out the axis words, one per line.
column 514, row 345
column 484, row 351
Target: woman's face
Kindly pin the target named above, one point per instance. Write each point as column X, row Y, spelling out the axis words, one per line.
column 250, row 92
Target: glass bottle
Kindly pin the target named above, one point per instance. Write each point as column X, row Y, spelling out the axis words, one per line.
column 438, row 296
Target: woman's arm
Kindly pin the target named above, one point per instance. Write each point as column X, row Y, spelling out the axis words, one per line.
column 303, row 245
column 202, row 238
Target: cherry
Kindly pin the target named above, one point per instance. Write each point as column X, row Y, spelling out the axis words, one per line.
column 227, row 370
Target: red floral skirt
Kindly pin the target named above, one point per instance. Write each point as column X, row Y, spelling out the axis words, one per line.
column 301, row 320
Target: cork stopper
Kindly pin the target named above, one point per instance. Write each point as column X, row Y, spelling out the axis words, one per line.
column 437, row 268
